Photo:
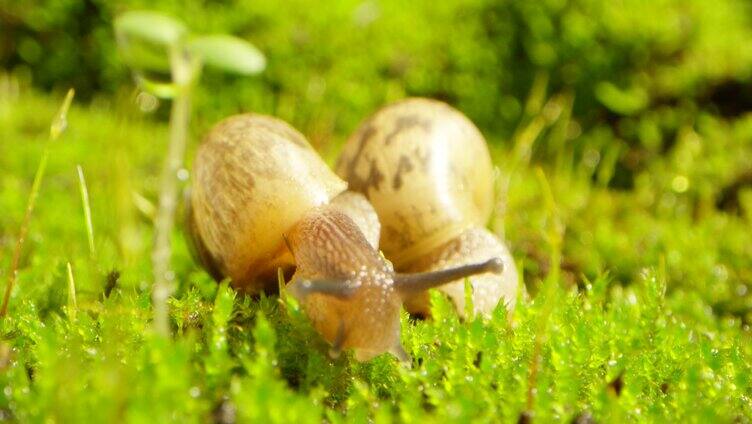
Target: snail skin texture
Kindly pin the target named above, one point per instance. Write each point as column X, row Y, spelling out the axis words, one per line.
column 262, row 199
column 427, row 171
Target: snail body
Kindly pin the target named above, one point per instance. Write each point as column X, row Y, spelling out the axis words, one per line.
column 427, row 171
column 262, row 199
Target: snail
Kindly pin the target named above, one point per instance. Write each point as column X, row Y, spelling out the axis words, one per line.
column 262, row 199
column 427, row 171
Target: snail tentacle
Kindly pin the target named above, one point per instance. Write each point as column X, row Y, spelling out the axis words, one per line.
column 341, row 289
column 408, row 284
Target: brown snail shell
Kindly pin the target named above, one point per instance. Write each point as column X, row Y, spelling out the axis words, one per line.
column 262, row 199
column 427, row 171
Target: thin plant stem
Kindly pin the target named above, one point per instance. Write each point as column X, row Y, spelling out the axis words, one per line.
column 59, row 123
column 554, row 234
column 87, row 209
column 183, row 72
column 539, row 114
column 72, row 304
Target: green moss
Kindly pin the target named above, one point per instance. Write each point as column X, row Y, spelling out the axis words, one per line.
column 676, row 340
column 637, row 116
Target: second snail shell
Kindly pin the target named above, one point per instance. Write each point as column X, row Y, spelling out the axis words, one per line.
column 427, row 171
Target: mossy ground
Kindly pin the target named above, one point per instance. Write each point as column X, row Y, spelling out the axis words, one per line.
column 650, row 337
column 623, row 138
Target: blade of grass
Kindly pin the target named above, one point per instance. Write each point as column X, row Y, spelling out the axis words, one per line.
column 540, row 114
column 560, row 133
column 554, row 235
column 59, row 123
column 72, row 305
column 87, row 209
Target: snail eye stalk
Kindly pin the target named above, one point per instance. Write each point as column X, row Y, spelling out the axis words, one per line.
column 408, row 284
column 341, row 289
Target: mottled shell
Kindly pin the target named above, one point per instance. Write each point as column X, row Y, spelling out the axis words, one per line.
column 254, row 177
column 426, row 169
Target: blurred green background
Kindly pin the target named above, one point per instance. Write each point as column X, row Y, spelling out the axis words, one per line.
column 640, row 69
column 638, row 112
column 647, row 98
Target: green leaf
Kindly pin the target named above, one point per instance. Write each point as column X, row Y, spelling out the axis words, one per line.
column 60, row 121
column 150, row 26
column 163, row 90
column 144, row 56
column 228, row 53
column 223, row 305
column 622, row 101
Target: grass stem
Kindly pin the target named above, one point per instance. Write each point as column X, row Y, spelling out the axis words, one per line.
column 59, row 123
column 555, row 236
column 87, row 209
column 72, row 304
